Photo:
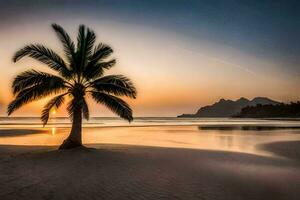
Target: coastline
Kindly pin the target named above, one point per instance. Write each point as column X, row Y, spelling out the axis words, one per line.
column 124, row 171
column 27, row 123
column 290, row 149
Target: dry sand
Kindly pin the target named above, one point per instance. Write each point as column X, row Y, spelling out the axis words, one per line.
column 131, row 172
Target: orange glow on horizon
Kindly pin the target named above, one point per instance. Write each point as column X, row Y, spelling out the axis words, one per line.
column 173, row 74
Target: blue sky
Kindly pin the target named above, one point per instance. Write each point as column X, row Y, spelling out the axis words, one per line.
column 265, row 26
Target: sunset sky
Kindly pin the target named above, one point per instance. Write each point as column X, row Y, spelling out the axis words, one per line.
column 181, row 54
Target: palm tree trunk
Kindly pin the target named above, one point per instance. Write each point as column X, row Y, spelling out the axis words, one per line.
column 74, row 140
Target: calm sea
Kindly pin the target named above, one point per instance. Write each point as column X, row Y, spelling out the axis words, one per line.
column 221, row 134
column 35, row 122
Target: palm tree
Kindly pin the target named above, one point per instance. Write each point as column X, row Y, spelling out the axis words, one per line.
column 79, row 76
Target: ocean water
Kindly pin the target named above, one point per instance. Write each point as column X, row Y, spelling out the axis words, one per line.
column 219, row 134
column 35, row 122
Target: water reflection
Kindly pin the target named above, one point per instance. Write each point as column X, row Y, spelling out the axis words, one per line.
column 53, row 131
column 63, row 122
column 227, row 141
column 237, row 139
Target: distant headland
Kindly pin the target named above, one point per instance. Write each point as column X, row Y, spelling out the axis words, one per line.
column 229, row 108
column 291, row 110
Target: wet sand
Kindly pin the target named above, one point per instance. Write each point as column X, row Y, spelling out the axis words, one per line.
column 17, row 132
column 289, row 149
column 136, row 172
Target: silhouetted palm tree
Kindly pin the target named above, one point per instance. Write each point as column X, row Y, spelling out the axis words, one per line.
column 77, row 77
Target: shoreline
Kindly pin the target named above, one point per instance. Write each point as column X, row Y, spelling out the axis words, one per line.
column 223, row 138
column 120, row 171
column 287, row 149
column 208, row 126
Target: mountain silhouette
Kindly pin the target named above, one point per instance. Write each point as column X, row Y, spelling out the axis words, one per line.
column 228, row 108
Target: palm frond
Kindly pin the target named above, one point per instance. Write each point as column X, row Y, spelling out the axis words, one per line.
column 85, row 109
column 36, row 92
column 44, row 55
column 101, row 52
column 97, row 70
column 114, row 89
column 85, row 42
column 81, row 74
column 73, row 107
column 115, row 104
column 55, row 102
column 76, row 103
column 32, row 77
column 81, row 38
column 115, row 84
column 90, row 41
column 68, row 44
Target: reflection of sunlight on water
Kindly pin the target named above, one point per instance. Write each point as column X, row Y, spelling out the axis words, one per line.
column 53, row 131
column 161, row 136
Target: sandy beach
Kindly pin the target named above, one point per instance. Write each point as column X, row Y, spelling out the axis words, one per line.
column 149, row 100
column 136, row 172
